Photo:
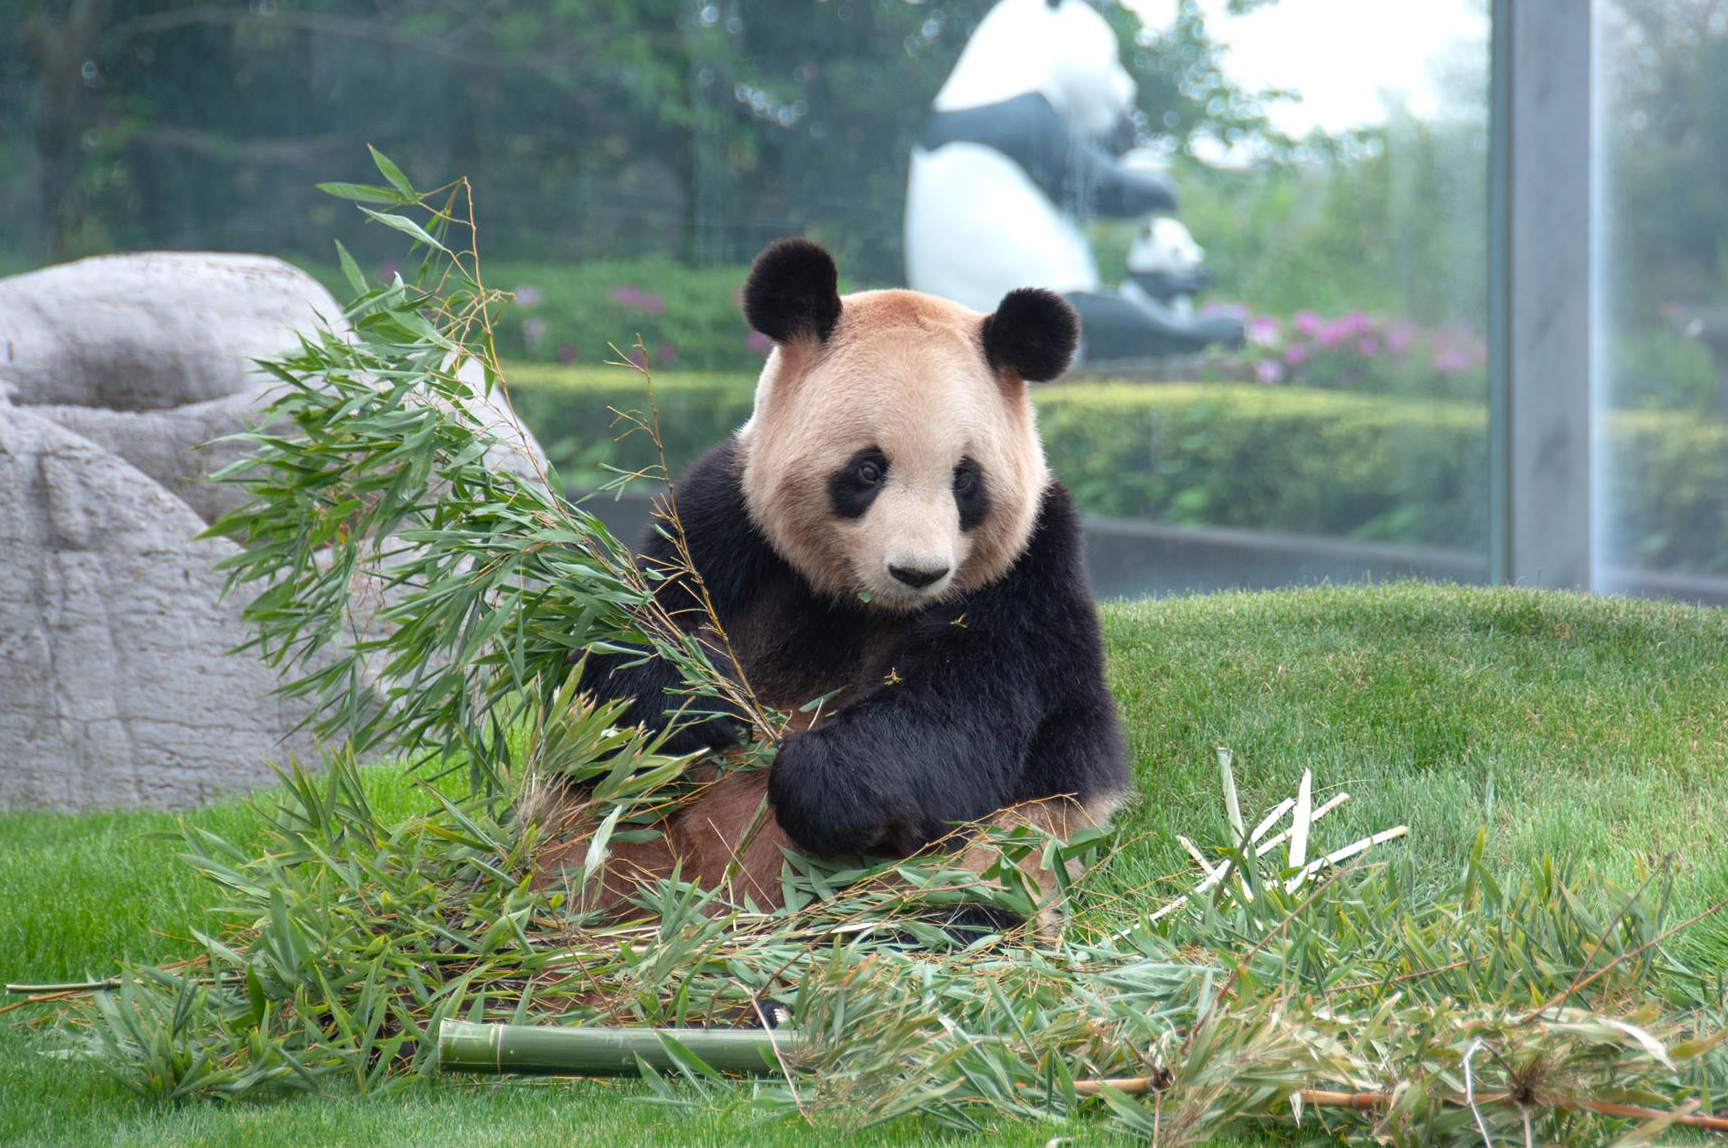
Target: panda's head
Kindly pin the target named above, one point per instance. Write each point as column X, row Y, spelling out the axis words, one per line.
column 1063, row 49
column 892, row 453
column 1165, row 247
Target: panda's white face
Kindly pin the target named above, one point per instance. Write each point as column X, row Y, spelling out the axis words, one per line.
column 1165, row 246
column 891, row 462
column 1065, row 50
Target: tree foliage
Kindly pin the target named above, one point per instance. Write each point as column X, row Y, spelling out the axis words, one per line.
column 599, row 127
column 1665, row 141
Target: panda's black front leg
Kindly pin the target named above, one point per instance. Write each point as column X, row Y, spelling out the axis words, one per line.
column 652, row 686
column 898, row 770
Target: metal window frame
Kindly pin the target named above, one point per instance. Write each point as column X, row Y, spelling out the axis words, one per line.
column 1540, row 294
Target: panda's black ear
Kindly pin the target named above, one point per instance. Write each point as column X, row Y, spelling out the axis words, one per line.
column 793, row 290
column 1033, row 333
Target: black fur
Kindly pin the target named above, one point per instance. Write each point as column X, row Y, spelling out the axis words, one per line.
column 853, row 487
column 971, row 494
column 1033, row 333
column 943, row 716
column 793, row 290
column 1072, row 169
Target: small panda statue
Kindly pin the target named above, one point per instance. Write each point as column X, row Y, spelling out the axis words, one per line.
column 1031, row 133
column 883, row 529
column 1166, row 268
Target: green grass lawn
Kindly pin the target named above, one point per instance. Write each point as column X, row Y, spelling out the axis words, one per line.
column 1592, row 730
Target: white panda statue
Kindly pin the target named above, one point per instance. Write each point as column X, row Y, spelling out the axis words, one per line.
column 1026, row 138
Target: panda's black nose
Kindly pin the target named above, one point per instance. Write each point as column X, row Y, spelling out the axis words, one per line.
column 917, row 579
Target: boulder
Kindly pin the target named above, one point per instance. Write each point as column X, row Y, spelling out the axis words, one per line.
column 115, row 688
column 150, row 355
column 116, row 374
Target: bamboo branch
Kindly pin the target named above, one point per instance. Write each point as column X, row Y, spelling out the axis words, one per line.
column 1365, row 1101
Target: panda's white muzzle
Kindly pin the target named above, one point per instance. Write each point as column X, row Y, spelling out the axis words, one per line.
column 914, row 529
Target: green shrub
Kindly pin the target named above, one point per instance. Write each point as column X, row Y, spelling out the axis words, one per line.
column 568, row 313
column 1667, row 505
column 1276, row 458
column 570, row 411
column 1661, row 369
column 1273, row 458
column 1280, row 458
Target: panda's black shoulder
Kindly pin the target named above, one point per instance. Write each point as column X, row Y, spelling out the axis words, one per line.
column 725, row 545
column 1052, row 568
column 1040, row 615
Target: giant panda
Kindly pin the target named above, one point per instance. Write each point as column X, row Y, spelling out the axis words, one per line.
column 1032, row 132
column 884, row 529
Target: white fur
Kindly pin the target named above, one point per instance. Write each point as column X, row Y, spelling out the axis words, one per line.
column 974, row 246
column 976, row 226
column 1167, row 246
column 906, row 374
column 1069, row 53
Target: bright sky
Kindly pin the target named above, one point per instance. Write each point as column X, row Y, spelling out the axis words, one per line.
column 1345, row 56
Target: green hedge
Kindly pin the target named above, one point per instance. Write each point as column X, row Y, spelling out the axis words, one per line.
column 686, row 315
column 1274, row 458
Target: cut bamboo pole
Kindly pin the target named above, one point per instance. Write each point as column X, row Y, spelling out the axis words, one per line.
column 570, row 1050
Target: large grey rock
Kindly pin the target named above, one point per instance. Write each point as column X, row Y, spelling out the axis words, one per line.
column 114, row 685
column 151, row 355
column 115, row 375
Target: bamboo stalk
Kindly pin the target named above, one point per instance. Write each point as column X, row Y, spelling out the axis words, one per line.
column 573, row 1050
column 1634, row 1112
column 63, row 987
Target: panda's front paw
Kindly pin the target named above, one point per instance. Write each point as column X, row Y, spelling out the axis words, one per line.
column 824, row 803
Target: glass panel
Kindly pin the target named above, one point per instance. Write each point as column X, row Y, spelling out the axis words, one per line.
column 1325, row 160
column 1661, row 136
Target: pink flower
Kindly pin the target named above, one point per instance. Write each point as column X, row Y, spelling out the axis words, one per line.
column 1368, row 346
column 632, row 296
column 1269, row 372
column 1451, row 361
column 1296, row 354
column 1336, row 331
column 1457, row 349
column 1263, row 331
column 757, row 341
column 666, row 353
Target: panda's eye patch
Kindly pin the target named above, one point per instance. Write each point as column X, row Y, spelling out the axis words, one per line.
column 970, row 494
column 853, row 487
column 966, row 477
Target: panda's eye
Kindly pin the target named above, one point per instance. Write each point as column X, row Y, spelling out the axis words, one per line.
column 970, row 494
column 855, row 483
